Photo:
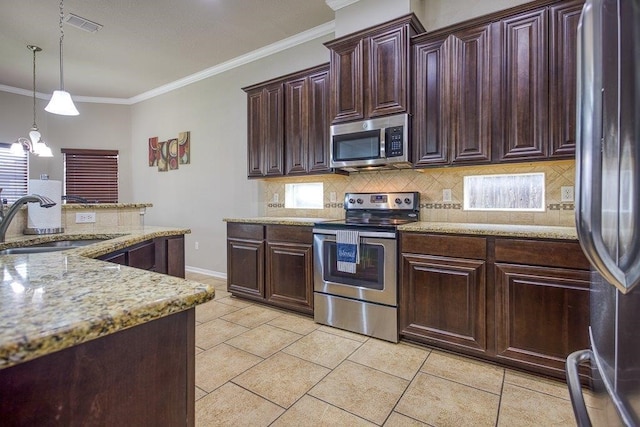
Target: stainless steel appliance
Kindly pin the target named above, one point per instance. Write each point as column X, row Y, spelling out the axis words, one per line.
column 608, row 208
column 366, row 300
column 382, row 142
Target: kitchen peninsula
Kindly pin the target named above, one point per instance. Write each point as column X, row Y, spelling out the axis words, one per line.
column 83, row 341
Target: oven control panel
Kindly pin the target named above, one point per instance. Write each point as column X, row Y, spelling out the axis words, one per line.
column 382, row 201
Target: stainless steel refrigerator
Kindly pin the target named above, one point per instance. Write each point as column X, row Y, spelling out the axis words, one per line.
column 608, row 208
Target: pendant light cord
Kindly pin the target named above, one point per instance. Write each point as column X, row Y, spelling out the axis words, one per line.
column 61, row 37
column 34, row 49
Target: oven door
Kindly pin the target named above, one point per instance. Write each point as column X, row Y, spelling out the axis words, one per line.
column 375, row 279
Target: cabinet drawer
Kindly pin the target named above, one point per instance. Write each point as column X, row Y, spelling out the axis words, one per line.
column 439, row 245
column 538, row 252
column 245, row 231
column 289, row 234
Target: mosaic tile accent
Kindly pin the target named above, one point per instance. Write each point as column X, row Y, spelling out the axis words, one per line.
column 430, row 183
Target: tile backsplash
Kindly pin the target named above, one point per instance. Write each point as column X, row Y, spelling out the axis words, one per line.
column 430, row 183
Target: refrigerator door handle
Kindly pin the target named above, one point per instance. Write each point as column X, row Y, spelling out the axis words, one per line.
column 575, row 389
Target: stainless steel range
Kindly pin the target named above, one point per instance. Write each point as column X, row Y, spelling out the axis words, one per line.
column 356, row 263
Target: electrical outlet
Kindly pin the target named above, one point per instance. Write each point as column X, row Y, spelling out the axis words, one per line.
column 85, row 217
column 332, row 197
column 446, row 195
column 566, row 193
column 197, row 245
column 276, row 197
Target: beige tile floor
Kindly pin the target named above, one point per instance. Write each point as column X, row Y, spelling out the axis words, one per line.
column 259, row 366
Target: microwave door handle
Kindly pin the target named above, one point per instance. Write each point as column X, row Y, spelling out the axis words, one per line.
column 383, row 144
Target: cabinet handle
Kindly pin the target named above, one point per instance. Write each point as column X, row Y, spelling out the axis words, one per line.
column 575, row 390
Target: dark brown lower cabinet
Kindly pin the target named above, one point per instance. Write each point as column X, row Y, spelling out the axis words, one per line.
column 542, row 311
column 522, row 303
column 245, row 260
column 289, row 280
column 163, row 255
column 442, row 298
column 141, row 376
column 280, row 275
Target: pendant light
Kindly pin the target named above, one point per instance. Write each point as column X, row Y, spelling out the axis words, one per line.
column 34, row 144
column 61, row 102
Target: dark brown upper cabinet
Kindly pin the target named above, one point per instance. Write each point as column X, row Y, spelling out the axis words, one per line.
column 564, row 18
column 288, row 124
column 452, row 97
column 536, row 101
column 265, row 133
column 370, row 70
column 307, row 122
column 498, row 88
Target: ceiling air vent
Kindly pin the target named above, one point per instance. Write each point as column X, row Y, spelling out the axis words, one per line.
column 82, row 23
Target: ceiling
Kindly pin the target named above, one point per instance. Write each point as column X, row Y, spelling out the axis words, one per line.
column 144, row 44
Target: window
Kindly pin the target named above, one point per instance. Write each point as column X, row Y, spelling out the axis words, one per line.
column 303, row 196
column 91, row 174
column 14, row 173
column 517, row 192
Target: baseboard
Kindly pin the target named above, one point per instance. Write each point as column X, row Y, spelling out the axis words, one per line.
column 206, row 272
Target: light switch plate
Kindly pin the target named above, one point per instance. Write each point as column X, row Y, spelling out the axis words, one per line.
column 276, row 197
column 446, row 195
column 85, row 217
column 332, row 197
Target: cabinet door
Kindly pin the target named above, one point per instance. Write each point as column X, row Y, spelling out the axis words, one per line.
column 143, row 256
column 443, row 302
column 175, row 256
column 431, row 106
column 289, row 281
column 319, row 122
column 523, row 102
column 387, row 74
column 273, row 130
column 245, row 267
column 562, row 82
column 347, row 81
column 296, row 125
column 470, row 95
column 255, row 133
column 542, row 315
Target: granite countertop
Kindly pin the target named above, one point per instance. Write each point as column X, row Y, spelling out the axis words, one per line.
column 308, row 222
column 504, row 230
column 51, row 301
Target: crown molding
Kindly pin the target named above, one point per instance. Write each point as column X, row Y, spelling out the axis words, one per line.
column 303, row 37
column 279, row 46
column 339, row 4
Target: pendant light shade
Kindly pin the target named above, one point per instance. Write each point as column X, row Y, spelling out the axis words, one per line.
column 61, row 102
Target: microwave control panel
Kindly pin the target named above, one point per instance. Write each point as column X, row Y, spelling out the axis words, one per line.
column 394, row 143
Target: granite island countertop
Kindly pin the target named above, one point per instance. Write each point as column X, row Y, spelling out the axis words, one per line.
column 51, row 301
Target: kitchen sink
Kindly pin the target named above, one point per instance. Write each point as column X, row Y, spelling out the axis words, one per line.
column 60, row 245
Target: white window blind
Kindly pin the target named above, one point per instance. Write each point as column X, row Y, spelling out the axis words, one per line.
column 91, row 174
column 14, row 173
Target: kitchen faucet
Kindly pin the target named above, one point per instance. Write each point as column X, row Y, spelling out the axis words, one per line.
column 5, row 219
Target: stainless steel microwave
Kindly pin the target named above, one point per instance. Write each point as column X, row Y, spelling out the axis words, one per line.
column 374, row 143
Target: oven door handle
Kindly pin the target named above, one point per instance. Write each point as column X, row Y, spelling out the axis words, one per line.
column 372, row 234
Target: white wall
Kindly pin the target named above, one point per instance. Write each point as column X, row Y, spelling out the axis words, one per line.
column 215, row 185
column 441, row 13
column 99, row 126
